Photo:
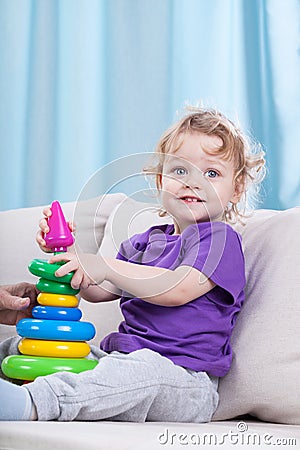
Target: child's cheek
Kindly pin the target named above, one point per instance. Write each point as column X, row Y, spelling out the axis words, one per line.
column 170, row 184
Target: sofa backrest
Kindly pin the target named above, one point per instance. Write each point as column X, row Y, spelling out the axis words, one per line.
column 266, row 338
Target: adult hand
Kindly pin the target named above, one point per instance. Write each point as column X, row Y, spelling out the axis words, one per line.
column 16, row 302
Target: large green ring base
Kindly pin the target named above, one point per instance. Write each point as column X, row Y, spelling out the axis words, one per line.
column 28, row 368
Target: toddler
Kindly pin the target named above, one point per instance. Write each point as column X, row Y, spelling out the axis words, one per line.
column 181, row 288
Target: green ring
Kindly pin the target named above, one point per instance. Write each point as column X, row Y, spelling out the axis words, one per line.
column 53, row 287
column 42, row 269
column 21, row 367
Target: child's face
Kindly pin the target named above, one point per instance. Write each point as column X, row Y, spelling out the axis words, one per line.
column 197, row 186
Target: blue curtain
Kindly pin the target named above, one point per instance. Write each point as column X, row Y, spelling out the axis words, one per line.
column 86, row 82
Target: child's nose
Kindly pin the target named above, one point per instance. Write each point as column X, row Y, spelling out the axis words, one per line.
column 191, row 185
column 195, row 181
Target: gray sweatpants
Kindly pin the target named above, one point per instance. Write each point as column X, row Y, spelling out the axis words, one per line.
column 136, row 387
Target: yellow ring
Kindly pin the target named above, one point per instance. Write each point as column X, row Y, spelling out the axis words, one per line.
column 45, row 298
column 59, row 349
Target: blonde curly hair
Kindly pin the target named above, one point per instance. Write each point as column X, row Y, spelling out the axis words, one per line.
column 249, row 162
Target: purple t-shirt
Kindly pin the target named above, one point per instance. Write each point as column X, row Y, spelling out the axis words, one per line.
column 195, row 335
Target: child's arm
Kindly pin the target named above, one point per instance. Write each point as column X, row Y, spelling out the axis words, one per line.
column 153, row 284
column 106, row 292
column 159, row 286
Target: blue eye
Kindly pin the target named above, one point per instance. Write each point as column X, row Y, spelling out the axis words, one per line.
column 179, row 171
column 211, row 173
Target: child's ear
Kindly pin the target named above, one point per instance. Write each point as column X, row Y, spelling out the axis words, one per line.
column 159, row 181
column 239, row 188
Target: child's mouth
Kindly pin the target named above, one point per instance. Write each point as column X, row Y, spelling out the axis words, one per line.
column 188, row 199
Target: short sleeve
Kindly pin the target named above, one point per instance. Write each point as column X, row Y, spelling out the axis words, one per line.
column 122, row 253
column 133, row 248
column 215, row 249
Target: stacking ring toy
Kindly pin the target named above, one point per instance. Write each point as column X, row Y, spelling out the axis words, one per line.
column 56, row 349
column 48, row 299
column 55, row 287
column 43, row 269
column 56, row 313
column 57, row 330
column 29, row 367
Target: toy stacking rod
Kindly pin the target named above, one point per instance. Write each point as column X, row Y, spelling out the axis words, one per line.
column 54, row 339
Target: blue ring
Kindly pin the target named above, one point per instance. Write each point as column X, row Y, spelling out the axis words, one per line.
column 56, row 330
column 56, row 313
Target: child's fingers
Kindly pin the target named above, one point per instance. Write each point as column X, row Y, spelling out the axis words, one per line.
column 71, row 263
column 44, row 229
column 42, row 244
column 85, row 284
column 66, row 268
column 77, row 279
column 72, row 226
column 61, row 257
column 86, row 281
column 47, row 211
column 39, row 238
column 43, row 224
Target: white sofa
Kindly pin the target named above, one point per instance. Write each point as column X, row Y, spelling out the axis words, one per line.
column 259, row 398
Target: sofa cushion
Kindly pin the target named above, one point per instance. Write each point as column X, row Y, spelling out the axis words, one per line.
column 128, row 218
column 264, row 380
column 265, row 373
column 91, row 217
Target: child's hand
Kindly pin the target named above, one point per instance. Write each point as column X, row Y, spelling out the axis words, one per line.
column 44, row 229
column 89, row 269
